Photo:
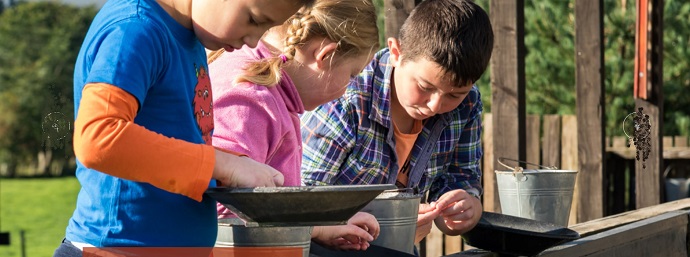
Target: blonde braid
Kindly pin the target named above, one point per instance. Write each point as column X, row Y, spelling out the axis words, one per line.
column 212, row 56
column 297, row 33
column 267, row 71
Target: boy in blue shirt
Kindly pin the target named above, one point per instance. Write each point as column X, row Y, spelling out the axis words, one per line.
column 144, row 119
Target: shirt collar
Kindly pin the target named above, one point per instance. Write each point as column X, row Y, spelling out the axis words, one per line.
column 381, row 91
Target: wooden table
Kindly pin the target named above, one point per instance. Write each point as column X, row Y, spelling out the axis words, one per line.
column 659, row 230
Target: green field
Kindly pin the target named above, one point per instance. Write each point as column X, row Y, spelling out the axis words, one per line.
column 39, row 207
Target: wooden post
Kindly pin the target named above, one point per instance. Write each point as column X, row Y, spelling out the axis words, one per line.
column 451, row 244
column 396, row 11
column 508, row 80
column 434, row 243
column 648, row 180
column 589, row 76
column 569, row 160
column 490, row 198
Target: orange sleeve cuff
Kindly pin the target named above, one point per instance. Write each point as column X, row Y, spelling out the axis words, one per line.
column 107, row 139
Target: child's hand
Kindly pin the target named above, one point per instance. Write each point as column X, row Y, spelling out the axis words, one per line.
column 356, row 235
column 427, row 214
column 460, row 212
column 366, row 221
column 235, row 171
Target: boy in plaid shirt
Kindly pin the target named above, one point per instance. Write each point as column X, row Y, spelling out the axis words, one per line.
column 412, row 117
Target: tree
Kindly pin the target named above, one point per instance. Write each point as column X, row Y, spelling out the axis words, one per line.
column 39, row 42
column 676, row 67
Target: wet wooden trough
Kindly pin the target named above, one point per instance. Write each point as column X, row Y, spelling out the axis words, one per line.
column 660, row 230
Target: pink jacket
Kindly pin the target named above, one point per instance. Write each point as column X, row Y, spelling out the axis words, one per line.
column 261, row 122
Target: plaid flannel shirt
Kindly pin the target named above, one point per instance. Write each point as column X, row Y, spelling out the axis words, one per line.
column 350, row 140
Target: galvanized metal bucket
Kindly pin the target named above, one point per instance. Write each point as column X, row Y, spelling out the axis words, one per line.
column 543, row 194
column 676, row 187
column 396, row 212
column 233, row 233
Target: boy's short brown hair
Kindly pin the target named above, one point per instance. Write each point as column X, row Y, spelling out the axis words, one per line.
column 455, row 34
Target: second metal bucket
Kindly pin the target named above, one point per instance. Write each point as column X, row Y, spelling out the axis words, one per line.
column 233, row 233
column 396, row 212
column 543, row 195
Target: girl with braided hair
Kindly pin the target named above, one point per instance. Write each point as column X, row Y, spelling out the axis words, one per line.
column 259, row 93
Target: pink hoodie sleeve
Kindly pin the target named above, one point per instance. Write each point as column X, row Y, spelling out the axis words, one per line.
column 244, row 122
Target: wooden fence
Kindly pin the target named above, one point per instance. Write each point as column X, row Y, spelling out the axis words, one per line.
column 552, row 140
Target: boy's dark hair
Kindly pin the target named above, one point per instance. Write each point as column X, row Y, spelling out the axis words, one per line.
column 455, row 34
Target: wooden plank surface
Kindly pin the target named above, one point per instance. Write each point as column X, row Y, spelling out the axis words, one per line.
column 621, row 142
column 589, row 77
column 667, row 152
column 648, row 177
column 508, row 79
column 452, row 244
column 678, row 150
column 490, row 199
column 551, row 142
column 667, row 140
column 434, row 243
column 532, row 140
column 609, row 223
column 663, row 235
column 570, row 160
column 648, row 180
column 606, row 223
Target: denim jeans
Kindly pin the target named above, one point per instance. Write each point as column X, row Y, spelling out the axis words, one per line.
column 67, row 249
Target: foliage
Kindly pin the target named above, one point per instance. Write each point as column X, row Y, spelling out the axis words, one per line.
column 619, row 59
column 39, row 207
column 380, row 22
column 550, row 61
column 676, row 67
column 39, row 42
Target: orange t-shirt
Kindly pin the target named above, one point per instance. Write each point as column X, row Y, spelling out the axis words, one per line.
column 107, row 139
column 403, row 146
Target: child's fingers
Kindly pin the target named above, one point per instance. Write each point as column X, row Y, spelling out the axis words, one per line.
column 366, row 222
column 278, row 178
column 373, row 232
column 361, row 234
column 425, row 207
column 424, row 218
column 353, row 239
column 346, row 245
column 451, row 199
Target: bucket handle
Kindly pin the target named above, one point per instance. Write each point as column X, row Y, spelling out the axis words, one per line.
column 518, row 168
column 669, row 168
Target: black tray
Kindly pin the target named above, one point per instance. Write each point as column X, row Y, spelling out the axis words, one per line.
column 297, row 206
column 516, row 236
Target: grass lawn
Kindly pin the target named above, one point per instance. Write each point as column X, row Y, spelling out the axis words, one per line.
column 40, row 207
